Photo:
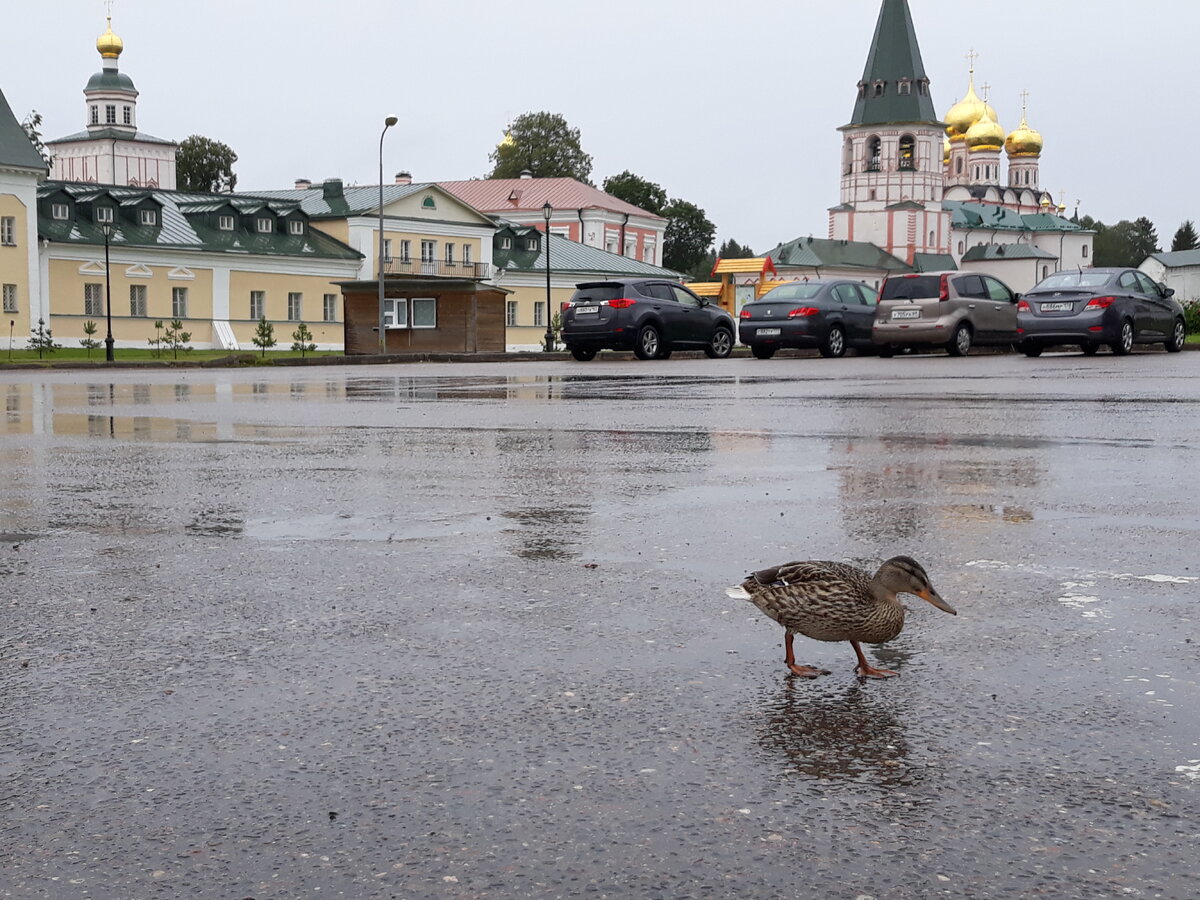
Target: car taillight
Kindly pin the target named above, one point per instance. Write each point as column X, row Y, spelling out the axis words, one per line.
column 1023, row 306
column 800, row 311
column 944, row 287
column 1101, row 302
column 622, row 303
column 744, row 314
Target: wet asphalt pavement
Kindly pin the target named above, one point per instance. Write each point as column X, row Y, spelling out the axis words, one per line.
column 460, row 631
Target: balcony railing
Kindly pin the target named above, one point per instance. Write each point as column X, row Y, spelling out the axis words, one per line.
column 435, row 268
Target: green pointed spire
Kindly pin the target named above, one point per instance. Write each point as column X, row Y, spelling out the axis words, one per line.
column 16, row 150
column 894, row 87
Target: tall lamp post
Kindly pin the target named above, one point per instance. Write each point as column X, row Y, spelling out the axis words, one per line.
column 547, row 212
column 108, row 340
column 387, row 123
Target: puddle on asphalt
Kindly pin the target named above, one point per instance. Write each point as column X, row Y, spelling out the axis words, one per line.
column 351, row 527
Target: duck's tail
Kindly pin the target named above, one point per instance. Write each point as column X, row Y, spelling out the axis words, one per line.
column 737, row 592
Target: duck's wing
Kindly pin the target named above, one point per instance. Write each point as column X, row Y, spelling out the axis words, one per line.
column 833, row 576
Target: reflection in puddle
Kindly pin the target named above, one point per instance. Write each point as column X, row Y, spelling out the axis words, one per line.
column 221, row 522
column 351, row 527
column 548, row 533
column 846, row 736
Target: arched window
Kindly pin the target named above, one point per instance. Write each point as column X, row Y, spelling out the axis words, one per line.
column 931, row 239
column 1085, row 251
column 848, row 158
column 908, row 158
column 960, row 248
column 958, row 168
column 874, row 149
column 1045, row 271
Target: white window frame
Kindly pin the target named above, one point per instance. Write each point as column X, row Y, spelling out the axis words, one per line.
column 60, row 211
column 8, row 231
column 449, row 253
column 93, row 298
column 137, row 300
column 329, row 307
column 95, row 114
column 295, row 226
column 395, row 312
column 127, row 115
column 265, row 225
column 179, row 303
column 539, row 313
column 149, row 216
column 466, row 254
column 225, row 223
column 505, row 243
column 258, row 305
column 10, row 298
column 295, row 307
column 105, row 215
column 420, row 307
column 405, row 250
column 531, row 243
column 387, row 249
column 510, row 313
column 428, row 251
column 110, row 114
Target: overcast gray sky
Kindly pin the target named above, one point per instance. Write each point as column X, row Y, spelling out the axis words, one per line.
column 732, row 106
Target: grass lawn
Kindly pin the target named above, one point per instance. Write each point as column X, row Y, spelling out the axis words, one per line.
column 123, row 354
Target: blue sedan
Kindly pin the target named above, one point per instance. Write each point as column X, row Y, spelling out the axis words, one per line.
column 828, row 314
column 1095, row 307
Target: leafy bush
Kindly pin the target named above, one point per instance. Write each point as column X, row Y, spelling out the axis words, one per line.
column 1191, row 315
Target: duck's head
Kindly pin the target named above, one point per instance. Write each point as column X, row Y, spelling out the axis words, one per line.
column 905, row 574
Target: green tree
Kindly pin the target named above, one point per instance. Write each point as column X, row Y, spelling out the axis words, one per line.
column 89, row 343
column 302, row 340
column 731, row 249
column 205, row 165
column 33, row 129
column 156, row 342
column 264, row 335
column 543, row 143
column 636, row 190
column 42, row 340
column 688, row 237
column 1124, row 244
column 1185, row 237
column 176, row 338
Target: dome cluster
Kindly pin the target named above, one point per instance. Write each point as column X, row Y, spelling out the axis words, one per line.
column 974, row 121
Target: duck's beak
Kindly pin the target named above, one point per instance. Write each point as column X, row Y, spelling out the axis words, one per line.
column 935, row 598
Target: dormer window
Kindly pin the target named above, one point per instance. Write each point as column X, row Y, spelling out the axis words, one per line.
column 428, row 203
column 904, row 87
column 60, row 211
column 104, row 215
column 265, row 225
column 531, row 243
column 295, row 226
column 225, row 223
column 877, row 88
column 505, row 243
column 149, row 217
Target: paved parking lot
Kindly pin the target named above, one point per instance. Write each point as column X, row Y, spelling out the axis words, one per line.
column 460, row 630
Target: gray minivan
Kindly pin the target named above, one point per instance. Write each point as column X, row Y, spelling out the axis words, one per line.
column 955, row 310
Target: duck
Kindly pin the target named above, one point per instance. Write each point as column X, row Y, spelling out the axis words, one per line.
column 833, row 601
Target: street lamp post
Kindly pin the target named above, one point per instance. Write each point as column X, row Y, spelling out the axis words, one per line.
column 387, row 123
column 547, row 212
column 108, row 340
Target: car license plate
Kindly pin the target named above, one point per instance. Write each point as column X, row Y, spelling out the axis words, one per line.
column 768, row 332
column 906, row 314
column 1057, row 307
column 586, row 310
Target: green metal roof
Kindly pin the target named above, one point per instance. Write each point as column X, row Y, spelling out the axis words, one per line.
column 933, row 262
column 569, row 256
column 1000, row 252
column 185, row 223
column 110, row 80
column 996, row 218
column 814, row 253
column 137, row 137
column 1177, row 259
column 332, row 199
column 16, row 150
column 895, row 56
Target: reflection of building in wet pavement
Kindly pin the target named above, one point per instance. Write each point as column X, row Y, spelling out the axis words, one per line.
column 844, row 735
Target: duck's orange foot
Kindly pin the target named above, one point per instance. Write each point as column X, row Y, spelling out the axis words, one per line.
column 865, row 671
column 807, row 671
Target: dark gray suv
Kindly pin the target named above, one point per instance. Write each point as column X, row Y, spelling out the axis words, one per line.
column 649, row 316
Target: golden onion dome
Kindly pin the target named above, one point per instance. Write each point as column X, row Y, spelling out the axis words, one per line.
column 507, row 140
column 967, row 111
column 986, row 134
column 109, row 45
column 1024, row 141
column 946, row 145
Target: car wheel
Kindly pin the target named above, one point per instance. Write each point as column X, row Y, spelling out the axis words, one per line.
column 583, row 354
column 1178, row 337
column 1031, row 349
column 762, row 352
column 720, row 345
column 1123, row 345
column 648, row 343
column 834, row 344
column 960, row 344
column 1091, row 348
column 887, row 352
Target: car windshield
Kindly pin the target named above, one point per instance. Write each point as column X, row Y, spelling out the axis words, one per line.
column 596, row 293
column 797, row 290
column 911, row 287
column 1077, row 279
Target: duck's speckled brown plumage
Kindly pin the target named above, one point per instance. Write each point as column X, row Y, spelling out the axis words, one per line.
column 826, row 601
column 832, row 601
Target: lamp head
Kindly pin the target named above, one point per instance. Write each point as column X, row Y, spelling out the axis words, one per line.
column 390, row 121
column 107, row 228
column 547, row 211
